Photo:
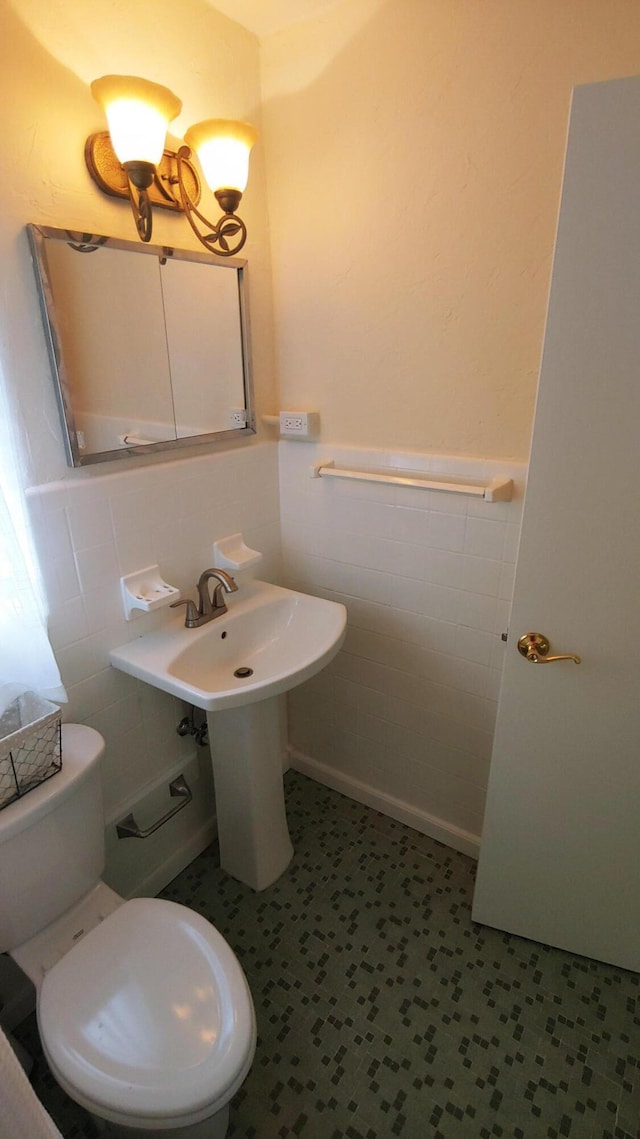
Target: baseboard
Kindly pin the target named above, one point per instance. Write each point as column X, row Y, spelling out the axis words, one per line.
column 176, row 861
column 397, row 809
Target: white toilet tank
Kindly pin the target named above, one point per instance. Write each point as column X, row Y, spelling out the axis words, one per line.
column 52, row 841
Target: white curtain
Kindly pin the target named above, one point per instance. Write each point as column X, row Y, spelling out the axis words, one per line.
column 26, row 657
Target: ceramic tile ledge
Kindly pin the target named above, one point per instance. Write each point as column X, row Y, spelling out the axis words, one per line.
column 397, row 809
column 421, row 462
column 88, row 477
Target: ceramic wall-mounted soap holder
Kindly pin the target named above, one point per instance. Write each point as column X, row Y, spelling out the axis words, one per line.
column 232, row 554
column 146, row 590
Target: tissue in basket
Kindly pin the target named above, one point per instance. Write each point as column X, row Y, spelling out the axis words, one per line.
column 30, row 745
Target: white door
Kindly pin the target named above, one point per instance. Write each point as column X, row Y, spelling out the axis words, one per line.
column 560, row 854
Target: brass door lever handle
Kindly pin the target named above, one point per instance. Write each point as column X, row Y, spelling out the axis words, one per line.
column 535, row 647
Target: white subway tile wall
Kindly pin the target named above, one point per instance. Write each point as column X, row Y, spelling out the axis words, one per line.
column 91, row 529
column 407, row 709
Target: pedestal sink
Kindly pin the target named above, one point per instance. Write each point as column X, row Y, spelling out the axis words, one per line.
column 234, row 668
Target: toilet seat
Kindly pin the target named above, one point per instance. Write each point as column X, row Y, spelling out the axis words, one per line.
column 148, row 1020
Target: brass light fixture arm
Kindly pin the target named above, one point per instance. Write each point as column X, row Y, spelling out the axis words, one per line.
column 140, row 175
column 228, row 226
column 112, row 179
column 173, row 185
column 141, row 210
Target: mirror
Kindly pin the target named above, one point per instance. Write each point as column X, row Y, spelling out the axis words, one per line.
column 149, row 345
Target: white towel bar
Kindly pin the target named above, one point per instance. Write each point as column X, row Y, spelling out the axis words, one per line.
column 497, row 490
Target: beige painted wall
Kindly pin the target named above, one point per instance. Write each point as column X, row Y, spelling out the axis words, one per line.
column 50, row 53
column 415, row 153
column 98, row 523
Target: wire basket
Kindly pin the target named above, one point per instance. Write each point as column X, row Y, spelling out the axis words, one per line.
column 30, row 745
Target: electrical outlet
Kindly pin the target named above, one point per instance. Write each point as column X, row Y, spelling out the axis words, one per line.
column 299, row 424
column 236, row 417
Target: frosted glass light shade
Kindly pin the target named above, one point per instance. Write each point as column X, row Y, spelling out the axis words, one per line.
column 138, row 113
column 223, row 147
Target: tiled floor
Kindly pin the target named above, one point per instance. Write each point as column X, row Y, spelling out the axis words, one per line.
column 384, row 1011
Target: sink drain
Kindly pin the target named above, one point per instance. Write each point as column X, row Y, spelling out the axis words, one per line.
column 243, row 672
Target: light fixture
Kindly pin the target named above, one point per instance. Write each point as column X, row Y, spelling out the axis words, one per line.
column 130, row 160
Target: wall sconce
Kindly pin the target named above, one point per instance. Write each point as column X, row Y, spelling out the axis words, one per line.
column 130, row 160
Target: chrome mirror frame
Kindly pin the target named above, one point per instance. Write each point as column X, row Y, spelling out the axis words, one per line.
column 86, row 243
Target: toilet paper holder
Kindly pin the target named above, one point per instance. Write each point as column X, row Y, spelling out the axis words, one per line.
column 178, row 788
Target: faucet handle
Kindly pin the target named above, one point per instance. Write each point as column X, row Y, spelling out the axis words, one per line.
column 191, row 616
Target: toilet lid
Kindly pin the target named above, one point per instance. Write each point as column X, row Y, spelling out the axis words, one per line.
column 149, row 1015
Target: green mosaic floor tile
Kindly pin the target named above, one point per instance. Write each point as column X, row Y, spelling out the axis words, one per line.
column 384, row 1011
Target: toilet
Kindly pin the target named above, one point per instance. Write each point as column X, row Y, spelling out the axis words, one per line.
column 144, row 1012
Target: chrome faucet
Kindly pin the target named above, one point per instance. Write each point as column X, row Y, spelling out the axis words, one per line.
column 208, row 607
column 214, row 606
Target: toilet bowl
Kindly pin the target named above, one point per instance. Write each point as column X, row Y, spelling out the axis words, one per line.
column 144, row 1012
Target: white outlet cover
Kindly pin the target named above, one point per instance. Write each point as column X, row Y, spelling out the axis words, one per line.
column 299, row 424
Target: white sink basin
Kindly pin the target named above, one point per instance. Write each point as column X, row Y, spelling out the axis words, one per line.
column 282, row 636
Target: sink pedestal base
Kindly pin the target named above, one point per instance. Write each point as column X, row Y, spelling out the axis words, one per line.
column 246, row 749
